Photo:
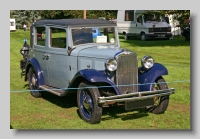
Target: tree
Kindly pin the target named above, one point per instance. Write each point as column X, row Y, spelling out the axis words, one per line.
column 51, row 14
column 28, row 16
column 60, row 14
column 183, row 16
column 24, row 17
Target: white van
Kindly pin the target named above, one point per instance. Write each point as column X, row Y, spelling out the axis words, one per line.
column 138, row 23
column 12, row 24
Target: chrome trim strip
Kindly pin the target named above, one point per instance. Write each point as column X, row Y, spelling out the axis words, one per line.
column 50, row 91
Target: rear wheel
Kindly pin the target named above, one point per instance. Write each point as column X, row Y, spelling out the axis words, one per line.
column 33, row 83
column 160, row 103
column 126, row 37
column 143, row 36
column 87, row 99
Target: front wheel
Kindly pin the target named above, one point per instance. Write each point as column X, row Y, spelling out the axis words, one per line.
column 187, row 36
column 160, row 103
column 87, row 97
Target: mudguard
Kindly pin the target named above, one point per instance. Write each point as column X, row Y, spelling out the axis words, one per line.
column 92, row 75
column 34, row 63
column 146, row 79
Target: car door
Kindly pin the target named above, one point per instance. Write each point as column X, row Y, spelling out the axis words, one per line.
column 40, row 47
column 140, row 27
column 58, row 67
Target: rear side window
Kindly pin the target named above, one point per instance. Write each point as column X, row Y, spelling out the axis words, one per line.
column 58, row 37
column 129, row 15
column 40, row 36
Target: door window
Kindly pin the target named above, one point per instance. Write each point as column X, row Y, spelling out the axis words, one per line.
column 58, row 37
column 40, row 36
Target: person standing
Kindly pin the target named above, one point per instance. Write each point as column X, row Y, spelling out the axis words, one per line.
column 24, row 26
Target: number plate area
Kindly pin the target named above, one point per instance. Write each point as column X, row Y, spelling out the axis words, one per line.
column 161, row 35
column 138, row 103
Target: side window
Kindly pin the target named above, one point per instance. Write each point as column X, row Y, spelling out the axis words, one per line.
column 129, row 15
column 40, row 36
column 58, row 37
column 139, row 19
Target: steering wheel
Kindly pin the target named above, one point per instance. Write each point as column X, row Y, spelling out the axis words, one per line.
column 81, row 41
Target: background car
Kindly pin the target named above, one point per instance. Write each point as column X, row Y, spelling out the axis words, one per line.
column 186, row 33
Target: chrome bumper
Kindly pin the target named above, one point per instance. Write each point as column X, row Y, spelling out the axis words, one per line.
column 136, row 96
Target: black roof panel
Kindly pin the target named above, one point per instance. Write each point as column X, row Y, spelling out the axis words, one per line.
column 73, row 22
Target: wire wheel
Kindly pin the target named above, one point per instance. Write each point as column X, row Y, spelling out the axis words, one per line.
column 87, row 99
column 160, row 103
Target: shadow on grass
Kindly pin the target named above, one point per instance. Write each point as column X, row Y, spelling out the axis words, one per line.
column 120, row 112
column 26, row 86
column 177, row 41
column 108, row 113
column 11, row 126
column 64, row 102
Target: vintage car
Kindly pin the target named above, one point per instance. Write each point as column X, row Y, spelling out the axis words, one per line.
column 82, row 57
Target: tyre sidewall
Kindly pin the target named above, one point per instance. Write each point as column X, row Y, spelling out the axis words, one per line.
column 94, row 94
column 143, row 37
column 126, row 37
column 36, row 93
column 164, row 100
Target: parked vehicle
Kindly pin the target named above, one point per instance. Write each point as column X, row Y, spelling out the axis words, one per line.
column 186, row 33
column 71, row 58
column 137, row 23
column 12, row 24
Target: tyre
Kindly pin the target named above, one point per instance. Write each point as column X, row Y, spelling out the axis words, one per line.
column 143, row 37
column 187, row 36
column 160, row 103
column 87, row 97
column 33, row 83
column 126, row 37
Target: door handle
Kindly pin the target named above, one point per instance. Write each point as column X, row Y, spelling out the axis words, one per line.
column 45, row 56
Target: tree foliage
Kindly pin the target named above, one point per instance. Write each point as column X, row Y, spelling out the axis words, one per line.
column 28, row 16
column 60, row 14
column 182, row 16
column 24, row 17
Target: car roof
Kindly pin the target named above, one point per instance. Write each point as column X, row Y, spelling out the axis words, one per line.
column 75, row 22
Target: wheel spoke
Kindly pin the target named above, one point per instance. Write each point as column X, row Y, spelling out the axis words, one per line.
column 87, row 103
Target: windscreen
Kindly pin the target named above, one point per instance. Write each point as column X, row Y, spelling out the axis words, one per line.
column 105, row 35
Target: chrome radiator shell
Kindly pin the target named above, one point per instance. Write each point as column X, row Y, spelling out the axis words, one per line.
column 126, row 77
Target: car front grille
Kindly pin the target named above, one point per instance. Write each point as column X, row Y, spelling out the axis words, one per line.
column 127, row 73
column 161, row 29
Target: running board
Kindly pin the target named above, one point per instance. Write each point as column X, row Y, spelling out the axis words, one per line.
column 55, row 91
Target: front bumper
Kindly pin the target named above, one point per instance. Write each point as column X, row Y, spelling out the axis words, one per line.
column 136, row 96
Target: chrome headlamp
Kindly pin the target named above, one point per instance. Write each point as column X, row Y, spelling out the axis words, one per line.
column 111, row 64
column 147, row 62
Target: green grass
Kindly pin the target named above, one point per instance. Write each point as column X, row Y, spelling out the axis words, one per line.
column 53, row 112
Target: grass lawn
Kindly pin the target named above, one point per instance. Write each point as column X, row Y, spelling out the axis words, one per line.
column 53, row 112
